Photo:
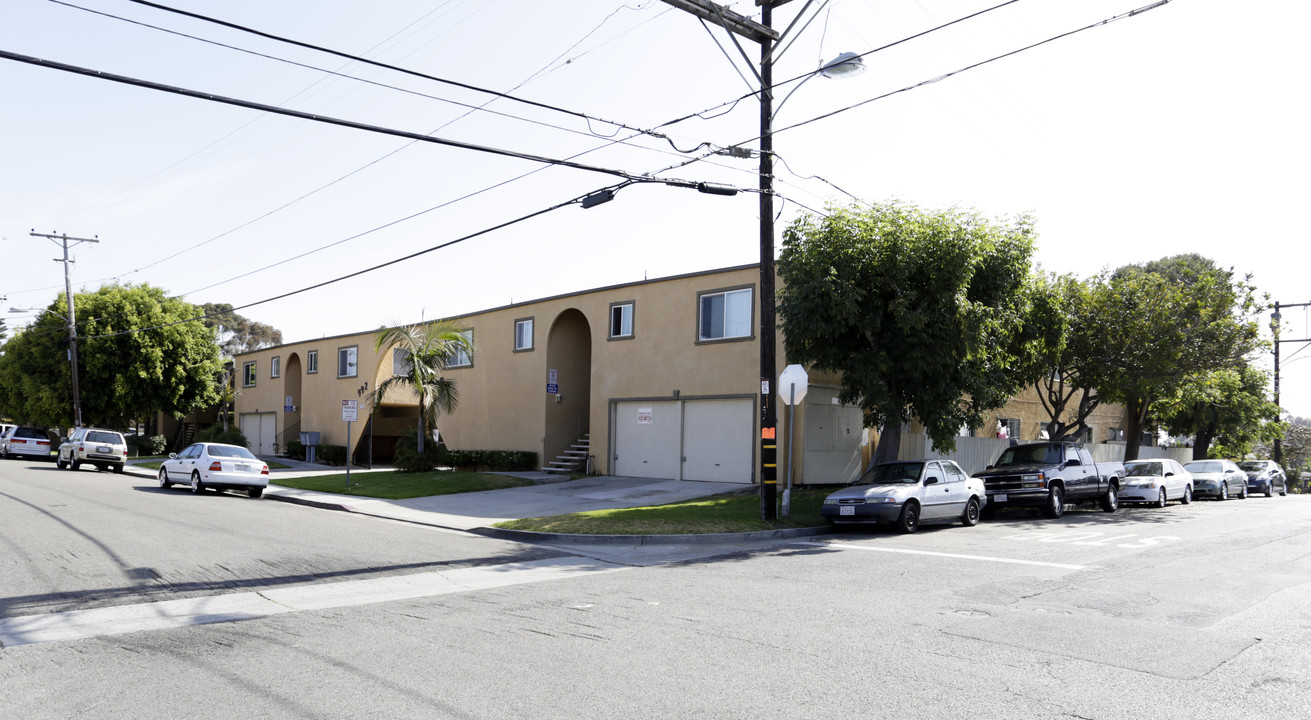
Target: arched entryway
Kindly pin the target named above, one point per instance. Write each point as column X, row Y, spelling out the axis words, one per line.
column 569, row 373
column 292, row 374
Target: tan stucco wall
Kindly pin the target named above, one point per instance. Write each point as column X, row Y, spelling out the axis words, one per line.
column 503, row 400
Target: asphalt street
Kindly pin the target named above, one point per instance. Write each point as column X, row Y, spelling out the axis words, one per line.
column 1197, row 611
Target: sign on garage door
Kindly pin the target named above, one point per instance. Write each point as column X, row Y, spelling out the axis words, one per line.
column 260, row 430
column 710, row 439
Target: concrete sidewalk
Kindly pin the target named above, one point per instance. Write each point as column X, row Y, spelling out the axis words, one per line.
column 476, row 512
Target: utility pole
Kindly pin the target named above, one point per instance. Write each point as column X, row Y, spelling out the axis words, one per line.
column 1274, row 326
column 64, row 241
column 764, row 35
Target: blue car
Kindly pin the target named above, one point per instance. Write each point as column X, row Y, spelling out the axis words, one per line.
column 1265, row 476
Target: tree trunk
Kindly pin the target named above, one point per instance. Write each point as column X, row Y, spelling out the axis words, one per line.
column 418, row 443
column 889, row 441
column 1133, row 431
column 1202, row 443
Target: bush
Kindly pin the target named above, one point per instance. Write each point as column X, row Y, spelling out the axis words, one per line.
column 408, row 459
column 140, row 445
column 216, row 433
column 295, row 450
column 331, row 454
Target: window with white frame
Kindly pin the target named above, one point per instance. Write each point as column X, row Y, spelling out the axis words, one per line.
column 460, row 357
column 248, row 374
column 312, row 361
column 1115, row 434
column 1008, row 427
column 275, row 366
column 621, row 320
column 724, row 315
column 523, row 334
column 348, row 361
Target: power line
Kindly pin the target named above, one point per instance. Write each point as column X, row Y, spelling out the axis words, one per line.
column 123, row 79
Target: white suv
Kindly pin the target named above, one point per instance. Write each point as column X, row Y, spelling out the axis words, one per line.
column 103, row 448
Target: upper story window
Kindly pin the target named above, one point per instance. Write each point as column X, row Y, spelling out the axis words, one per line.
column 312, row 361
column 523, row 334
column 724, row 315
column 621, row 320
column 1008, row 428
column 248, row 374
column 348, row 361
column 275, row 366
column 400, row 362
column 460, row 357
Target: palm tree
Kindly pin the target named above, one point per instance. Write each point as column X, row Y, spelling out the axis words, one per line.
column 427, row 349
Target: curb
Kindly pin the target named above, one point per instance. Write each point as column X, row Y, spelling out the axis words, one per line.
column 706, row 539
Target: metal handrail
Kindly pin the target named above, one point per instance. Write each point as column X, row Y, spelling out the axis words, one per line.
column 560, row 437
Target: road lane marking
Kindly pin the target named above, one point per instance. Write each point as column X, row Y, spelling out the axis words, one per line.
column 98, row 622
column 958, row 556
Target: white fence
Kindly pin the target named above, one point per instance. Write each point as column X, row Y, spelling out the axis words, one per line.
column 974, row 454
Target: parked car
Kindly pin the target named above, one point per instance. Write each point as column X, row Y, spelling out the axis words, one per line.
column 105, row 449
column 908, row 493
column 1220, row 479
column 1156, row 481
column 29, row 441
column 1264, row 476
column 215, row 466
column 1049, row 475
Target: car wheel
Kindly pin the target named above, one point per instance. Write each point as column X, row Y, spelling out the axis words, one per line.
column 196, row 486
column 118, row 468
column 1188, row 494
column 255, row 492
column 1055, row 503
column 910, row 517
column 1111, row 500
column 164, row 482
column 1270, row 490
column 1160, row 501
column 59, row 463
column 1224, row 490
column 1243, row 495
column 74, row 463
column 970, row 517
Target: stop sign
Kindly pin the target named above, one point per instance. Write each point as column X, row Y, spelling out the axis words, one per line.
column 792, row 384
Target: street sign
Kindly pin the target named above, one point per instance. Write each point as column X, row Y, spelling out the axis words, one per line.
column 350, row 410
column 792, row 384
column 552, row 389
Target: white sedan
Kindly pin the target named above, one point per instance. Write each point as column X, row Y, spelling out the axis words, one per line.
column 1156, row 481
column 215, row 466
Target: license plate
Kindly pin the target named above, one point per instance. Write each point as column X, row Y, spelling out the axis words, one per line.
column 847, row 510
column 242, row 467
column 103, row 449
column 999, row 497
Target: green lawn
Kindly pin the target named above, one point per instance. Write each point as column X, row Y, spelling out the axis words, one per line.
column 398, row 486
column 728, row 513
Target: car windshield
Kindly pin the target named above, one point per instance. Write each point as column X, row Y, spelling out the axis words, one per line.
column 103, row 437
column 1204, row 467
column 1029, row 454
column 901, row 472
column 1257, row 465
column 230, row 451
column 1143, row 469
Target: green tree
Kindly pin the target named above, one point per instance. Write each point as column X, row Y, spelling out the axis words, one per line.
column 425, row 350
column 238, row 334
column 1067, row 385
column 1162, row 325
column 930, row 314
column 137, row 355
column 1227, row 407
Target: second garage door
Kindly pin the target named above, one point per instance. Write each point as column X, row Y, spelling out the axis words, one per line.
column 710, row 439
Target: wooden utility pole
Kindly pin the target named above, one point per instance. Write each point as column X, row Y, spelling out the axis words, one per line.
column 64, row 241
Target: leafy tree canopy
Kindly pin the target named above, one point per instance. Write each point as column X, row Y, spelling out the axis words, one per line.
column 931, row 314
column 237, row 334
column 1165, row 323
column 1226, row 411
column 136, row 357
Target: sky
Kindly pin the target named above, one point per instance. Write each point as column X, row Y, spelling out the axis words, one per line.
column 1180, row 129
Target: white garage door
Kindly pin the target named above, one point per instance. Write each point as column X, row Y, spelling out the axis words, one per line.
column 711, row 439
column 646, row 439
column 260, row 430
column 717, row 444
column 833, row 434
